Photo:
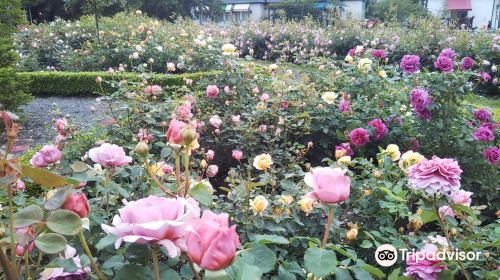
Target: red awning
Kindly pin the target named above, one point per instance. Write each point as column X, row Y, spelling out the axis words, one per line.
column 459, row 5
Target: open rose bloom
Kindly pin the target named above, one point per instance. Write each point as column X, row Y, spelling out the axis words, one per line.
column 437, row 175
column 155, row 220
column 109, row 155
column 330, row 185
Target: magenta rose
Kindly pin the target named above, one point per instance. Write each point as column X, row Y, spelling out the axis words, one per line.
column 380, row 128
column 444, row 63
column 460, row 197
column 410, row 64
column 109, row 155
column 47, row 155
column 482, row 115
column 359, row 137
column 426, row 269
column 379, row 54
column 449, row 53
column 330, row 185
column 467, row 63
column 485, row 76
column 420, row 101
column 155, row 220
column 484, row 134
column 437, row 175
column 344, row 105
column 492, row 155
column 212, row 91
column 213, row 243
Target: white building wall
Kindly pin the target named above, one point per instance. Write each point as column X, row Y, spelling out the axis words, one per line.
column 481, row 11
column 354, row 9
column 257, row 12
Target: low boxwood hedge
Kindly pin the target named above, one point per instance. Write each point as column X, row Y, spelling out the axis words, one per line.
column 84, row 83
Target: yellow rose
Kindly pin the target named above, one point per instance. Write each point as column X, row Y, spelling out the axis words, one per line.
column 352, row 233
column 345, row 160
column 392, row 150
column 365, row 64
column 262, row 162
column 382, row 74
column 329, row 97
column 273, row 67
column 228, row 49
column 138, row 13
column 157, row 169
column 339, row 153
column 286, row 199
column 259, row 204
column 306, row 204
column 408, row 159
column 349, row 59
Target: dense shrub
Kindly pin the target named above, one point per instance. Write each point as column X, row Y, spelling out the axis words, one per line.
column 84, row 83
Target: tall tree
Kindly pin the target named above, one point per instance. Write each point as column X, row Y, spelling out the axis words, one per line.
column 12, row 89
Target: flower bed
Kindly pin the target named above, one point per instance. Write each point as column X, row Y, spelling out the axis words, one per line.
column 256, row 174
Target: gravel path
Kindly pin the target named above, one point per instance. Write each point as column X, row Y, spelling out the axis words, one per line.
column 41, row 114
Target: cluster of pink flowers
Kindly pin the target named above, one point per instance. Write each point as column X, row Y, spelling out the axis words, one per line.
column 486, row 133
column 49, row 154
column 175, row 224
column 420, row 102
column 437, row 175
column 144, row 135
column 183, row 112
column 153, row 90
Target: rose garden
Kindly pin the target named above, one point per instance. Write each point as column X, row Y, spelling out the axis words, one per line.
column 281, row 150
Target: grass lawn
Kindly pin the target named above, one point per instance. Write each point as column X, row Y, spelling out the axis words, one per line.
column 490, row 103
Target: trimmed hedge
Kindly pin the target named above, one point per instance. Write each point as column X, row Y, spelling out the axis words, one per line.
column 84, row 83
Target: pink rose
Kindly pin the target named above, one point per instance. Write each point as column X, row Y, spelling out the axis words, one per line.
column 183, row 112
column 189, row 82
column 77, row 203
column 109, row 155
column 460, row 197
column 359, row 137
column 437, row 175
column 61, row 125
column 215, row 121
column 212, row 91
column 167, row 169
column 264, row 97
column 330, row 185
column 227, row 89
column 154, row 90
column 379, row 53
column 446, row 211
column 237, row 154
column 210, row 154
column 174, row 131
column 379, row 127
column 213, row 244
column 492, row 155
column 428, row 268
column 47, row 155
column 58, row 273
column 155, row 220
column 171, row 67
column 212, row 170
column 26, row 238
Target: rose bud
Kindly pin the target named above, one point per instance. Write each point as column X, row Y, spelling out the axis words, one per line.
column 213, row 243
column 77, row 203
column 188, row 135
column 142, row 149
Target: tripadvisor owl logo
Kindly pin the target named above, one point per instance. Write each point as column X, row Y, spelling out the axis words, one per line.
column 386, row 255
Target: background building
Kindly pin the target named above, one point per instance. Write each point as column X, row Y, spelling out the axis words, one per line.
column 478, row 12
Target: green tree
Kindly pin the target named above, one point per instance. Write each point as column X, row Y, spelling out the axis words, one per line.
column 13, row 88
column 397, row 10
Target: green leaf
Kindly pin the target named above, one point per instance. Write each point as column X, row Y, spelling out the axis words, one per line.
column 361, row 274
column 283, row 274
column 463, row 209
column 394, row 274
column 106, row 241
column 51, row 243
column 428, row 216
column 57, row 200
column 131, row 271
column 46, row 178
column 366, row 244
column 260, row 256
column 240, row 270
column 374, row 271
column 320, row 262
column 79, row 167
column 168, row 274
column 270, row 238
column 28, row 216
column 342, row 274
column 201, row 193
column 64, row 222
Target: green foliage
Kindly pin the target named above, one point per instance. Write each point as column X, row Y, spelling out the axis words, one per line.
column 396, row 10
column 84, row 83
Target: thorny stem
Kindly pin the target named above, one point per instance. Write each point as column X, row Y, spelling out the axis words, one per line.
column 328, row 226
column 156, row 267
column 100, row 276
